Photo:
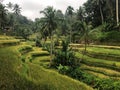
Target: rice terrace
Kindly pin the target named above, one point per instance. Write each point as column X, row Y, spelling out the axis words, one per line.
column 60, row 45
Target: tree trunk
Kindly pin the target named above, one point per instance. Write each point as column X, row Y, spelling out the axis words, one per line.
column 110, row 7
column 117, row 17
column 51, row 49
column 70, row 36
column 85, row 41
column 101, row 13
column 71, row 29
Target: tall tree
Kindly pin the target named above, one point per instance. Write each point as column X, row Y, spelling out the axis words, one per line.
column 100, row 2
column 49, row 24
column 2, row 16
column 17, row 9
column 117, row 13
column 69, row 12
column 10, row 5
column 80, row 14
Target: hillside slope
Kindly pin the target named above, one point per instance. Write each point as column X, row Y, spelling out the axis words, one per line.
column 18, row 75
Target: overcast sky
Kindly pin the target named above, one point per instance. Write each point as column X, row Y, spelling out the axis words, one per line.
column 31, row 8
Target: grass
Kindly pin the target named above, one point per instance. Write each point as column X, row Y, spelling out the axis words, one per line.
column 102, row 51
column 107, row 72
column 100, row 75
column 98, row 62
column 24, row 48
column 103, row 56
column 96, row 46
column 16, row 75
column 4, row 43
column 55, row 81
column 101, row 61
column 32, row 43
column 9, row 68
column 43, row 58
column 39, row 53
column 4, row 37
column 43, row 61
column 7, row 41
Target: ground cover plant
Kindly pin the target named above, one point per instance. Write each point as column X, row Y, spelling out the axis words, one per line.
column 70, row 45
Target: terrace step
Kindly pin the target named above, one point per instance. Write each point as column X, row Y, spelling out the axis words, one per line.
column 96, row 74
column 98, row 46
column 11, row 42
column 107, row 72
column 114, row 65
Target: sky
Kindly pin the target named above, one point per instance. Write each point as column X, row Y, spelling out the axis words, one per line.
column 31, row 8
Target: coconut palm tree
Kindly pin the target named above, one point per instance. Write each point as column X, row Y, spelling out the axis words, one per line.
column 49, row 23
column 82, row 29
column 10, row 5
column 80, row 14
column 17, row 9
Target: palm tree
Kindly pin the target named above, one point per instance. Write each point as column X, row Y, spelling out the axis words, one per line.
column 10, row 5
column 69, row 12
column 17, row 9
column 117, row 16
column 82, row 30
column 49, row 25
column 80, row 14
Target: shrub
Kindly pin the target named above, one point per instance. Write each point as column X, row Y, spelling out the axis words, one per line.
column 63, row 69
column 46, row 47
column 104, row 84
column 111, row 36
column 76, row 73
column 23, row 59
column 30, row 59
column 38, row 43
column 89, row 79
column 65, row 56
column 56, row 43
column 116, row 85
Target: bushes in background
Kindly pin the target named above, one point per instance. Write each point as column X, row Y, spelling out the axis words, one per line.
column 112, row 36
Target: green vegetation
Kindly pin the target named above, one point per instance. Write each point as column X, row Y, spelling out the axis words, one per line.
column 16, row 74
column 7, row 41
column 107, row 72
column 65, row 56
column 75, row 50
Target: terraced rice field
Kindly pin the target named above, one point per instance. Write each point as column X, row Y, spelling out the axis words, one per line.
column 22, row 68
column 101, row 61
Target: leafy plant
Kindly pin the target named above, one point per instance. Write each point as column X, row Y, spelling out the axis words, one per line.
column 63, row 69
column 65, row 56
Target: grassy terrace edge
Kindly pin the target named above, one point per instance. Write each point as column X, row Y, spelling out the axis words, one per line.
column 21, row 81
